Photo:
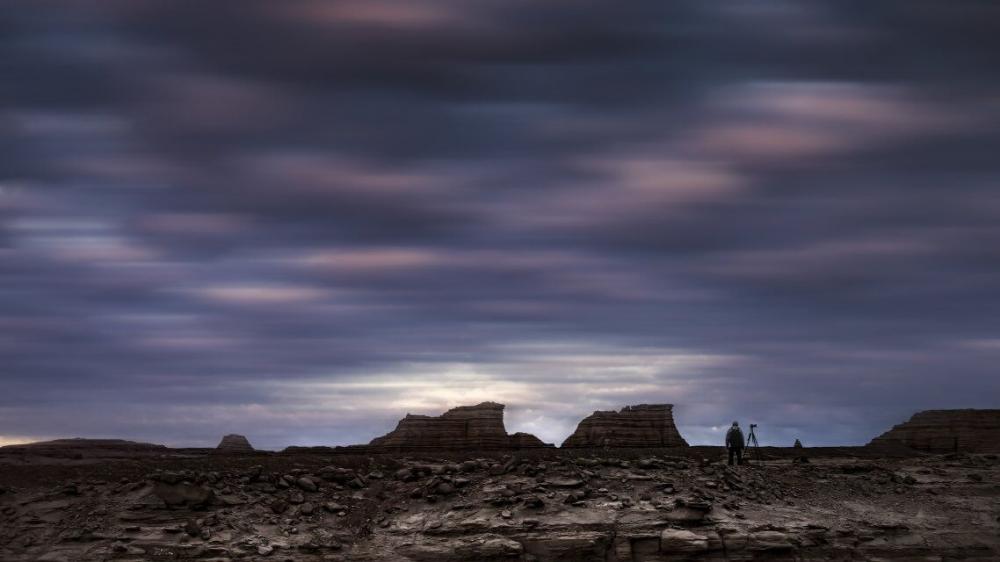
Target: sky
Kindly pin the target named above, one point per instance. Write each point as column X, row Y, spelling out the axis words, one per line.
column 301, row 220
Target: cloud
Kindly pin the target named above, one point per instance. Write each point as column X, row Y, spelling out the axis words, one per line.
column 296, row 220
column 261, row 294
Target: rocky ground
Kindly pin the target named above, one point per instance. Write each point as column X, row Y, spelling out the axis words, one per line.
column 615, row 506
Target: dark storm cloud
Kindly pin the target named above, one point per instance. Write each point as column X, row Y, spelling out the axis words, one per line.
column 299, row 220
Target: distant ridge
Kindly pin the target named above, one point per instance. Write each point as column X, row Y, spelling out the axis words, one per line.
column 83, row 443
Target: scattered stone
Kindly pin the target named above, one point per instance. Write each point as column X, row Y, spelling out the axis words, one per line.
column 534, row 502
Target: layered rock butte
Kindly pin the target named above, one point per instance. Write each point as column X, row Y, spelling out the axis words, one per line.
column 234, row 443
column 945, row 431
column 643, row 425
column 478, row 427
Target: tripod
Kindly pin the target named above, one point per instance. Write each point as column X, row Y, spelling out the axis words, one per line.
column 752, row 448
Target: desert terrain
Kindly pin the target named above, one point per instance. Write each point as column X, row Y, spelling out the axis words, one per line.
column 115, row 500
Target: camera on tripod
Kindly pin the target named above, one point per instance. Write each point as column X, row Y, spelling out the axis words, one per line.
column 753, row 448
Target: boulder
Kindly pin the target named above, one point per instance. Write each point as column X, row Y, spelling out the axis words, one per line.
column 946, row 431
column 234, row 443
column 644, row 425
column 476, row 427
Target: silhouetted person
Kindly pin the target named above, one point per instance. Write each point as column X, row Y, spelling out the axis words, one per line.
column 801, row 458
column 734, row 443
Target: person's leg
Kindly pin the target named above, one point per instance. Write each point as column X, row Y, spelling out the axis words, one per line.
column 739, row 457
column 730, row 457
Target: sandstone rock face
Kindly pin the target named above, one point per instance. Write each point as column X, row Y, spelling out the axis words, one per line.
column 945, row 431
column 233, row 443
column 463, row 428
column 644, row 425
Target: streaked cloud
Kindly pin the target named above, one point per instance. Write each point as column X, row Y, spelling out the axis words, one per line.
column 246, row 293
column 296, row 220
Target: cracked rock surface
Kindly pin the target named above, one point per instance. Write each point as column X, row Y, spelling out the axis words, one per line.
column 606, row 506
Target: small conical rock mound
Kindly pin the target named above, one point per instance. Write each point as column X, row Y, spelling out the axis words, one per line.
column 233, row 443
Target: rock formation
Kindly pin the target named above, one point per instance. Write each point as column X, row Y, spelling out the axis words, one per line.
column 521, row 440
column 550, row 505
column 466, row 427
column 645, row 425
column 945, row 431
column 234, row 443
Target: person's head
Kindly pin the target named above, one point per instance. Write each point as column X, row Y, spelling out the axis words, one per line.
column 736, row 424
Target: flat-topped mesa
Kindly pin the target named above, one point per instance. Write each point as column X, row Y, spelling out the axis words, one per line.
column 466, row 427
column 946, row 431
column 234, row 443
column 644, row 425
